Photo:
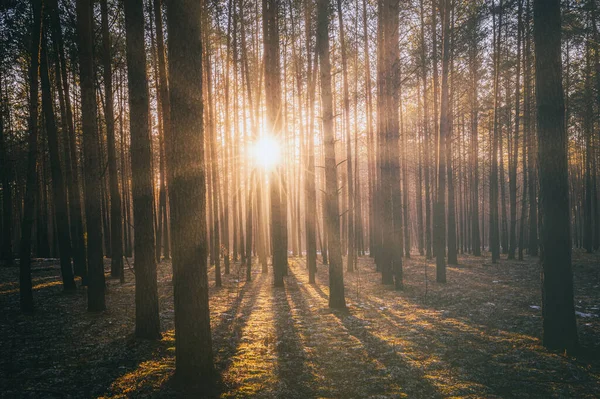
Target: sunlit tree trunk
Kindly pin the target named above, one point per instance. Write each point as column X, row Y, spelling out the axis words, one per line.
column 426, row 156
column 445, row 128
column 310, row 177
column 349, row 176
column 186, row 179
column 274, row 124
column 165, row 110
column 336, row 276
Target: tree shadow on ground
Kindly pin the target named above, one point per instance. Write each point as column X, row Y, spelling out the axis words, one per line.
column 295, row 377
column 385, row 375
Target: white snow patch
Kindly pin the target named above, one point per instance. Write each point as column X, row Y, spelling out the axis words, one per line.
column 581, row 314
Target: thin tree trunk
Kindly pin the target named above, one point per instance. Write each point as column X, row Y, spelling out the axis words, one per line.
column 165, row 110
column 59, row 196
column 445, row 129
column 349, row 176
column 116, row 233
column 25, row 286
column 6, row 250
column 494, row 228
column 309, row 180
column 532, row 158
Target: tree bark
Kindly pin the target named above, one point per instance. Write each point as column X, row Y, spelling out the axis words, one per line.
column 147, row 322
column 558, row 312
column 59, row 196
column 116, row 229
column 332, row 222
column 186, row 179
column 91, row 157
column 444, row 131
column 6, row 250
column 25, row 286
column 273, row 105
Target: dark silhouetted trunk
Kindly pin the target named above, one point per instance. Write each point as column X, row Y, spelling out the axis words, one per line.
column 25, row 286
column 91, row 156
column 116, row 228
column 59, row 195
column 558, row 312
column 147, row 322
column 274, row 123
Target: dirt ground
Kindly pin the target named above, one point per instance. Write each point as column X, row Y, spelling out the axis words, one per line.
column 476, row 336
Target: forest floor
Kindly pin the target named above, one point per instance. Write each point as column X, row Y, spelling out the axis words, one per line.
column 476, row 336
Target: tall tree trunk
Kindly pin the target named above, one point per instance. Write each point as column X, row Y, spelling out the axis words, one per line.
column 532, row 158
column 25, row 286
column 165, row 111
column 558, row 312
column 186, row 178
column 370, row 133
column 426, row 156
column 309, row 180
column 393, row 179
column 515, row 156
column 526, row 154
column 59, row 196
column 6, row 250
column 474, row 161
column 332, row 222
column 451, row 230
column 350, row 179
column 92, row 169
column 445, row 129
column 213, row 165
column 116, row 229
column 70, row 154
column 494, row 227
column 588, row 207
column 274, row 124
column 147, row 322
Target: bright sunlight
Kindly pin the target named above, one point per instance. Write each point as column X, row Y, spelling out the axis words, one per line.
column 266, row 152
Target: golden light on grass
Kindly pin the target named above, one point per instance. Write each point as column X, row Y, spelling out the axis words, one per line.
column 266, row 152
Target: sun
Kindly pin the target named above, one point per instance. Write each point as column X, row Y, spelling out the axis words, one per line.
column 266, row 152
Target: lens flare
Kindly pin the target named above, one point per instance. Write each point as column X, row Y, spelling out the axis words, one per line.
column 266, row 152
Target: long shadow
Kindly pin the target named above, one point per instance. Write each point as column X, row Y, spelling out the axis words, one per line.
column 387, row 354
column 499, row 368
column 295, row 377
column 228, row 334
column 382, row 352
column 226, row 337
column 346, row 369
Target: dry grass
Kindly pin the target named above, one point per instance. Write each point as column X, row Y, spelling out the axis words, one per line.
column 476, row 336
